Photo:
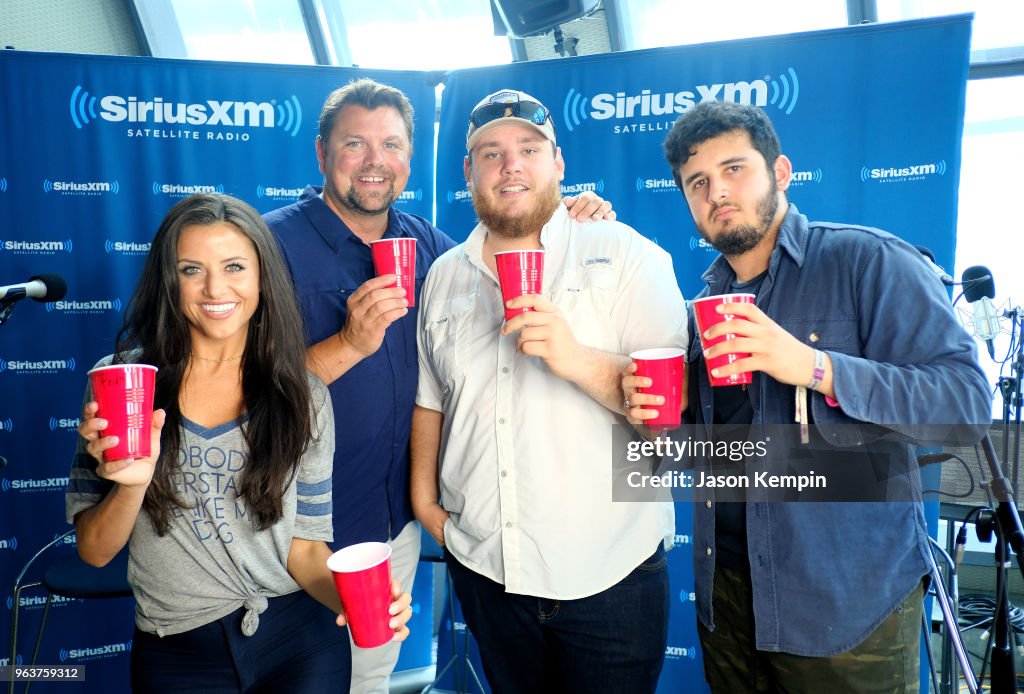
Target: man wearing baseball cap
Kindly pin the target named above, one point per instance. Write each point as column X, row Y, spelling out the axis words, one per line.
column 512, row 431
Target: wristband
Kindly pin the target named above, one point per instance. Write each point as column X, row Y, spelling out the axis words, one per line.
column 818, row 375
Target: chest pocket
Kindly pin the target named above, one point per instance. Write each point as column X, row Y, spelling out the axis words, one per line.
column 324, row 309
column 586, row 297
column 827, row 334
column 446, row 338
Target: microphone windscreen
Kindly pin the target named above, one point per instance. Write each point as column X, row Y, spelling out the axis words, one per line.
column 56, row 287
column 977, row 282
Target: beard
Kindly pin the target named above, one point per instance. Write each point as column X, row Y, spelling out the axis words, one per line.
column 372, row 204
column 528, row 223
column 737, row 240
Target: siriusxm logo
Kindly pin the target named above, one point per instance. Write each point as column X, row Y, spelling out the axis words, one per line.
column 799, row 178
column 681, row 539
column 460, row 195
column 577, row 188
column 676, row 652
column 37, row 367
column 81, row 187
column 696, row 242
column 34, row 601
column 3, row 184
column 49, row 484
column 782, row 92
column 286, row 114
column 65, row 423
column 125, row 247
column 84, row 307
column 68, row 540
column 275, row 192
column 106, row 650
column 892, row 174
column 687, row 596
column 180, row 191
column 410, row 195
column 10, row 543
column 7, row 424
column 655, row 185
column 37, row 247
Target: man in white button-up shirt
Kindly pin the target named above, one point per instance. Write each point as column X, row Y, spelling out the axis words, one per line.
column 563, row 589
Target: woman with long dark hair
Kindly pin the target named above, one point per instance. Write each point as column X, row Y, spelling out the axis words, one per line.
column 227, row 520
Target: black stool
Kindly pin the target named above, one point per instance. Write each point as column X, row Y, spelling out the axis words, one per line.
column 68, row 577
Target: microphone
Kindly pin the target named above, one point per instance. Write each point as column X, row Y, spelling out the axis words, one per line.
column 939, row 271
column 979, row 289
column 932, row 458
column 43, row 288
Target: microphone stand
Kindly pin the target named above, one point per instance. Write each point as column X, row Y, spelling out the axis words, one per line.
column 1010, row 389
column 6, row 308
column 946, row 594
column 1009, row 535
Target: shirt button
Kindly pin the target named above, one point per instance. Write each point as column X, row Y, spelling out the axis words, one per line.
column 501, row 420
column 709, row 551
column 504, row 473
column 709, row 503
column 508, row 524
column 504, row 369
column 813, row 337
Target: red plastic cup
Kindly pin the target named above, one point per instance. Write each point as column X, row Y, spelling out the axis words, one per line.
column 706, row 315
column 124, row 393
column 665, row 367
column 362, row 575
column 519, row 273
column 397, row 257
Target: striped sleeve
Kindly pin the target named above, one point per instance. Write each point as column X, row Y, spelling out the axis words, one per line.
column 313, row 520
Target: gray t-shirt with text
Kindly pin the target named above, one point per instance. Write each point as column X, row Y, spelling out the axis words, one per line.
column 213, row 561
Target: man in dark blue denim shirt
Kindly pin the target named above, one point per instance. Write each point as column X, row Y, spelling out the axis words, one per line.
column 361, row 333
column 856, row 354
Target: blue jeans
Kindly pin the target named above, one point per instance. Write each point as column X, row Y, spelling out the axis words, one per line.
column 611, row 642
column 297, row 649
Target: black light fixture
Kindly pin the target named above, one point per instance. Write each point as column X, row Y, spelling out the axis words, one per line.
column 522, row 18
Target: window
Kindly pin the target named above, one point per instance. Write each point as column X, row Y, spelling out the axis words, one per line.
column 425, row 35
column 652, row 23
column 997, row 23
column 987, row 226
column 268, row 31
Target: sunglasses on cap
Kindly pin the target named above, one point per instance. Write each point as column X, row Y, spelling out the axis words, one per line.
column 527, row 110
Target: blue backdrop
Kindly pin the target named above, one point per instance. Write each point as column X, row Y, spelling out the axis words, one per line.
column 94, row 150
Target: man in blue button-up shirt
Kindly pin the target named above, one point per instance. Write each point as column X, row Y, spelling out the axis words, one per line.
column 361, row 333
column 856, row 354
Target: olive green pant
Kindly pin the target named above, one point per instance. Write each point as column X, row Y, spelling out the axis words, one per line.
column 887, row 661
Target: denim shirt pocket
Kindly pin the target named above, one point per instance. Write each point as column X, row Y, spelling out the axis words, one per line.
column 838, row 335
column 324, row 307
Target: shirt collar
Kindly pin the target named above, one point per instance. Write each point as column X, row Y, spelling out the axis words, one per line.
column 552, row 237
column 332, row 228
column 791, row 240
